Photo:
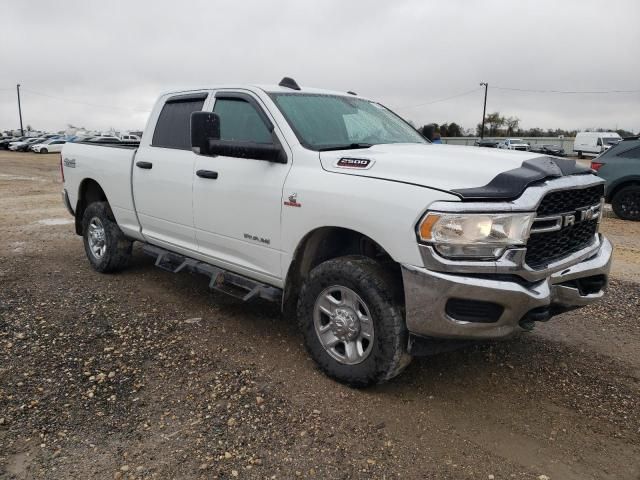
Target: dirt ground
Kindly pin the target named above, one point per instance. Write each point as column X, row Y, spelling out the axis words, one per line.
column 146, row 374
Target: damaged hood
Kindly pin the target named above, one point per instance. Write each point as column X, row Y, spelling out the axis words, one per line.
column 452, row 168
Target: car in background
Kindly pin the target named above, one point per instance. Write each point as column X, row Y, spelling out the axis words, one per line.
column 130, row 138
column 24, row 145
column 593, row 144
column 105, row 139
column 547, row 149
column 514, row 144
column 620, row 167
column 487, row 142
column 7, row 141
column 53, row 145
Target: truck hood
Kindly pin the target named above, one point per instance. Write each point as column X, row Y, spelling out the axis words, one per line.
column 443, row 167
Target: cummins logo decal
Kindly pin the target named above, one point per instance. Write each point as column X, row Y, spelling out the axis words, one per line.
column 361, row 163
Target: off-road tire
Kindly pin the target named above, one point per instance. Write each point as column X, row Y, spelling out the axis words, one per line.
column 118, row 246
column 623, row 203
column 382, row 295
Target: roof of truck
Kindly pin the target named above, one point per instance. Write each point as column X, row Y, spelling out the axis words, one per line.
column 267, row 89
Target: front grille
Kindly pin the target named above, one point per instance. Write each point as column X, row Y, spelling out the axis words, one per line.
column 544, row 248
column 566, row 201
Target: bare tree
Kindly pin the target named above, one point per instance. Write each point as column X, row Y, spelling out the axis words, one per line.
column 512, row 124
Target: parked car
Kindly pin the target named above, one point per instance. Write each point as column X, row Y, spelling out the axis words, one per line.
column 53, row 145
column 130, row 138
column 5, row 143
column 487, row 142
column 593, row 144
column 555, row 150
column 378, row 239
column 105, row 139
column 24, row 145
column 514, row 144
column 620, row 167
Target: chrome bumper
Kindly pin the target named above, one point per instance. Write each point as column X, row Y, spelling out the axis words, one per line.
column 427, row 293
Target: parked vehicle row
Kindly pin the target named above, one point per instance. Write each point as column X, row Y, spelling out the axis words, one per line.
column 52, row 143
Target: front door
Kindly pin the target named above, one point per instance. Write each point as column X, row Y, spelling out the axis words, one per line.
column 237, row 214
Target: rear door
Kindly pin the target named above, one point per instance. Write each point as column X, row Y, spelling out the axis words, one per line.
column 163, row 175
column 237, row 214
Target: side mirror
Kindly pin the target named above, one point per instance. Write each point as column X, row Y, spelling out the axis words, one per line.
column 257, row 151
column 205, row 126
column 205, row 140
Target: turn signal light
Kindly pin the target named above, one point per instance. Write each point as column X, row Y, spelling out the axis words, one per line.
column 427, row 224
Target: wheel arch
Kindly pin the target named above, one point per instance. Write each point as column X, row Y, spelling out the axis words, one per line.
column 326, row 243
column 89, row 191
column 619, row 185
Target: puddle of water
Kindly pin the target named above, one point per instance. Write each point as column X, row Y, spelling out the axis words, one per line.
column 55, row 221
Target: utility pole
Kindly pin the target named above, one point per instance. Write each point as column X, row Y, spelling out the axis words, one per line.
column 484, row 109
column 20, row 111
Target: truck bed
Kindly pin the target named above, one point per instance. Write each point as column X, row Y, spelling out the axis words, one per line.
column 110, row 166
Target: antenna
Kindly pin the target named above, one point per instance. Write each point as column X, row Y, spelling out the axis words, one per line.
column 289, row 82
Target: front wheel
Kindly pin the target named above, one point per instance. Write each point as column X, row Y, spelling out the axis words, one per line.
column 351, row 319
column 44, row 150
column 626, row 203
column 106, row 247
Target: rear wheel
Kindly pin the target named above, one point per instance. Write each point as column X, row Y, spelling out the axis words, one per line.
column 580, row 154
column 352, row 321
column 106, row 247
column 626, row 203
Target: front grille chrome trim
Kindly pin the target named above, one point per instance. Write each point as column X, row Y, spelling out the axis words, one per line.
column 510, row 263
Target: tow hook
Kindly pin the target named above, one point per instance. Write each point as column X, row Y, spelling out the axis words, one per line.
column 538, row 314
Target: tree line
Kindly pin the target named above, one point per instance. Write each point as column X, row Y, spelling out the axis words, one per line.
column 497, row 125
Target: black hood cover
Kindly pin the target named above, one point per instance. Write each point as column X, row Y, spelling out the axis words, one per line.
column 512, row 183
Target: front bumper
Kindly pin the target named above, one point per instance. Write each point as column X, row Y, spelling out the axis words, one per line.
column 428, row 292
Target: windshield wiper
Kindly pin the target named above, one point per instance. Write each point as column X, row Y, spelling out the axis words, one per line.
column 349, row 146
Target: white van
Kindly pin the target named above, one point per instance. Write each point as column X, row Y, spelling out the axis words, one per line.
column 594, row 143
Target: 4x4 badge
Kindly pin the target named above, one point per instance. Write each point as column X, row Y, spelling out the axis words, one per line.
column 293, row 201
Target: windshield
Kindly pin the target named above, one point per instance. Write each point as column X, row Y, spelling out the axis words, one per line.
column 331, row 122
column 611, row 140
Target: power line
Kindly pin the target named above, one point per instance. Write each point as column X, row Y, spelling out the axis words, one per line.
column 33, row 92
column 570, row 92
column 440, row 100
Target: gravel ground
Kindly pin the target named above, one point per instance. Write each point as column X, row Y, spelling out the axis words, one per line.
column 145, row 374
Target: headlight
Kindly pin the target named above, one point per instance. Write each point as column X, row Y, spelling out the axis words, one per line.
column 474, row 235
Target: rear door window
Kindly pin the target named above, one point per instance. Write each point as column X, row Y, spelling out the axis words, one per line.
column 173, row 129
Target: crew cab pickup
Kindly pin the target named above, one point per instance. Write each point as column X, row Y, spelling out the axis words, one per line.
column 383, row 246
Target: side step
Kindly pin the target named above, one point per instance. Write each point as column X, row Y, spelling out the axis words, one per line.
column 221, row 280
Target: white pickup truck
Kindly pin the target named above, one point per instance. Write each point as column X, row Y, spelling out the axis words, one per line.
column 383, row 245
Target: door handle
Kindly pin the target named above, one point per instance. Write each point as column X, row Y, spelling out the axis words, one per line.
column 207, row 174
column 145, row 165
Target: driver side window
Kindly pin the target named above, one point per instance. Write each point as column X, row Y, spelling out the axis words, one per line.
column 240, row 122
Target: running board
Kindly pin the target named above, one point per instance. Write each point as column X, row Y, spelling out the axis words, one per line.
column 221, row 280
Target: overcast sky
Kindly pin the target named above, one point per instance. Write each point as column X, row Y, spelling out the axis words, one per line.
column 120, row 55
